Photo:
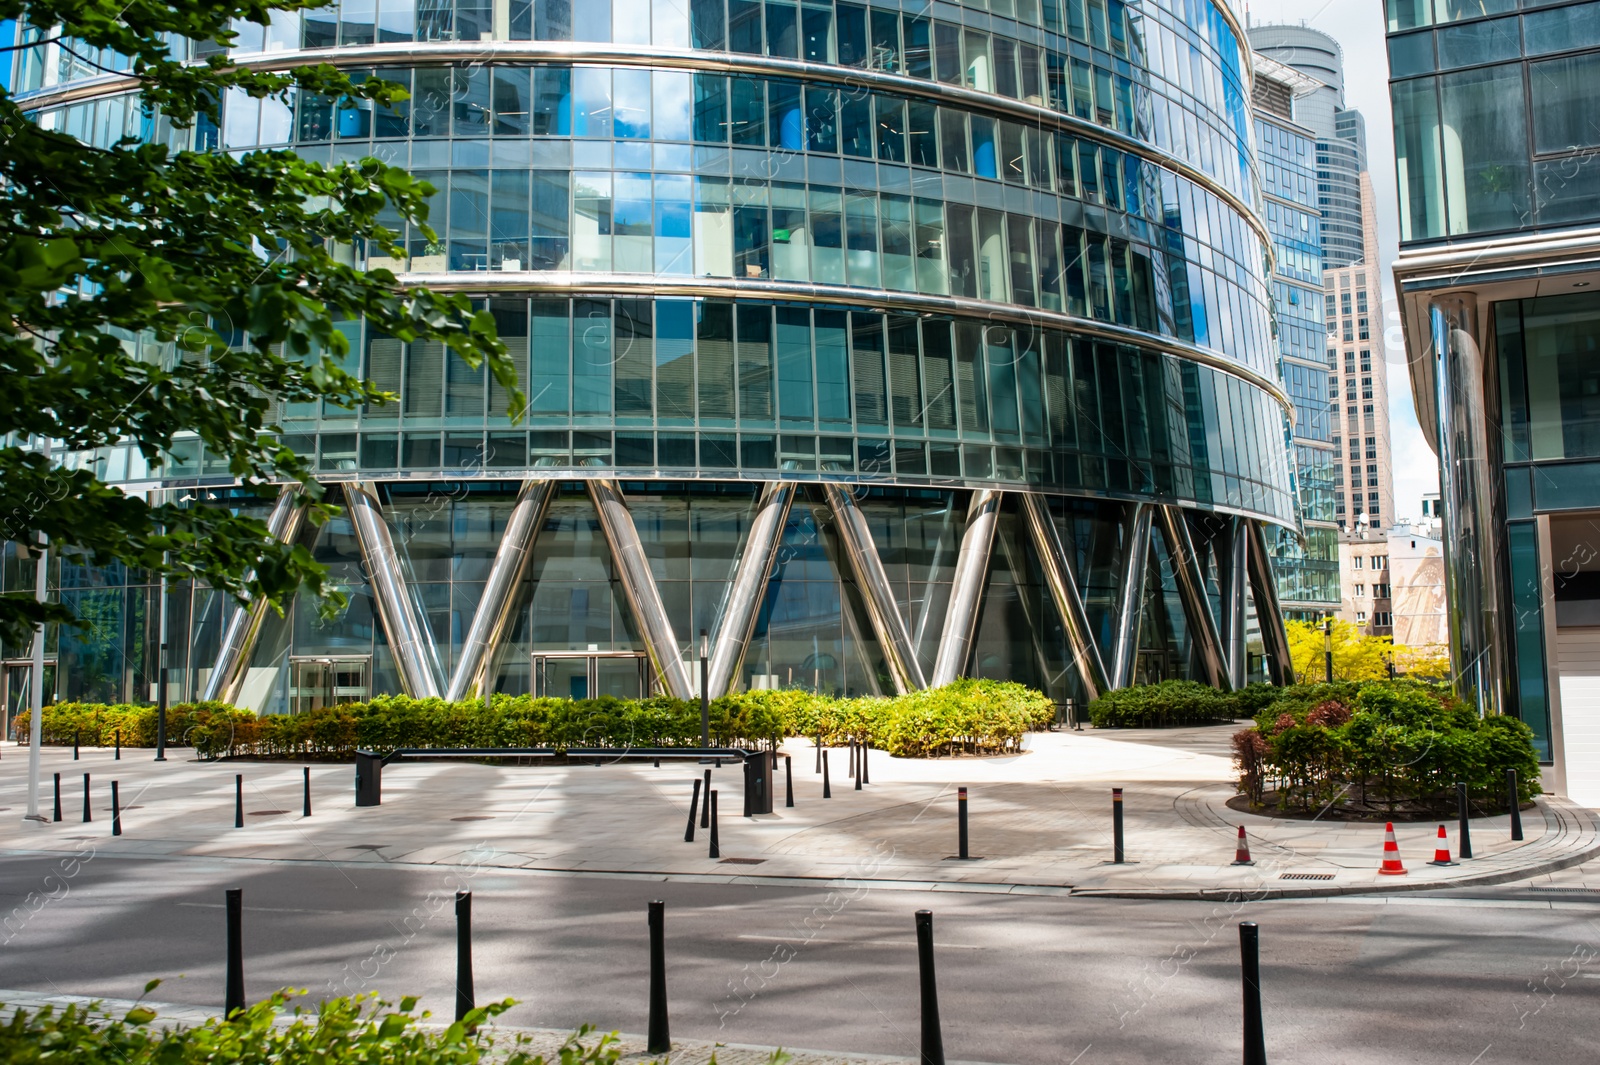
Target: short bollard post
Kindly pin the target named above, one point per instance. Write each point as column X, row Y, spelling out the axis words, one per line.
column 57, row 816
column 932, row 1036
column 694, row 811
column 1117, row 853
column 464, row 995
column 1464, row 847
column 852, row 757
column 749, row 786
column 660, row 1037
column 238, row 800
column 118, row 756
column 234, row 994
column 305, row 804
column 866, row 778
column 819, row 752
column 705, row 809
column 116, row 811
column 711, row 809
column 827, row 789
column 74, row 745
column 961, row 821
column 1511, row 797
column 87, row 817
column 860, row 774
column 1255, row 1046
column 788, row 782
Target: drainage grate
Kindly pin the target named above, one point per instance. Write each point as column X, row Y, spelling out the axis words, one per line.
column 741, row 861
column 1569, row 890
column 1305, row 876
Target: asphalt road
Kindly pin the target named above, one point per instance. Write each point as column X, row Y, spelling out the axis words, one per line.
column 1455, row 981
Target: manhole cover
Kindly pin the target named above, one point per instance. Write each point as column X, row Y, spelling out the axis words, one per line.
column 741, row 861
column 474, row 817
column 260, row 813
column 366, row 846
column 1305, row 876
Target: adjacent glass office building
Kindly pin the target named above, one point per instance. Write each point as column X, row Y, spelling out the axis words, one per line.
column 1500, row 261
column 880, row 344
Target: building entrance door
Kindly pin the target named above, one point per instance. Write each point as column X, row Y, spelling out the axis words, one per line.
column 591, row 674
column 16, row 691
column 324, row 681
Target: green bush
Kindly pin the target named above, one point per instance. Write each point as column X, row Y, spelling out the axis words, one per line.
column 969, row 716
column 1170, row 704
column 338, row 1032
column 1381, row 743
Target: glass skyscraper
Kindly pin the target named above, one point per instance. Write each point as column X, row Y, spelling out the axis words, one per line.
column 881, row 345
column 1496, row 144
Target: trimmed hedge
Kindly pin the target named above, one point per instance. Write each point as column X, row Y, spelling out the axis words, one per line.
column 969, row 716
column 1383, row 744
column 1170, row 704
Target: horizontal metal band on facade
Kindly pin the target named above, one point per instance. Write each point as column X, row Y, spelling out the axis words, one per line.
column 424, row 53
column 634, row 286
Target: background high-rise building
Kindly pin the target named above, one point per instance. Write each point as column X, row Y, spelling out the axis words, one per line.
column 882, row 345
column 1498, row 161
column 1307, row 561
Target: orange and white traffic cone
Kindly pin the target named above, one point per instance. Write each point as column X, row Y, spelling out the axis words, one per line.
column 1441, row 853
column 1241, row 853
column 1391, row 854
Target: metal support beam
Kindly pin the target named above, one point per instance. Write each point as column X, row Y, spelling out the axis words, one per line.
column 1203, row 635
column 492, row 620
column 639, row 587
column 1231, row 549
column 893, row 638
column 232, row 665
column 736, row 620
column 410, row 640
column 966, row 592
column 1269, row 615
column 1135, row 561
column 1056, row 568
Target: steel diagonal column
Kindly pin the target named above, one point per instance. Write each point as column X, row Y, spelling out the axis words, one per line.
column 736, row 621
column 1192, row 590
column 875, row 590
column 409, row 637
column 639, row 586
column 244, row 623
column 1135, row 561
column 1231, row 568
column 1058, row 576
column 493, row 616
column 966, row 591
column 1264, row 587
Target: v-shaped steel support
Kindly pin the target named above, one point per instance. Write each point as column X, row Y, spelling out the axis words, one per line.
column 415, row 657
column 232, row 665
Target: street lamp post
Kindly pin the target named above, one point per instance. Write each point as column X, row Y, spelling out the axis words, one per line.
column 1327, row 645
column 705, row 695
column 36, row 696
column 161, row 679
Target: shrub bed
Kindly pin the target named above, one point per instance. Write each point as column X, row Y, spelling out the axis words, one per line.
column 969, row 716
column 1170, row 704
column 1391, row 749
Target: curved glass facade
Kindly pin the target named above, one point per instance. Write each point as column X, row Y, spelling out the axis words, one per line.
column 824, row 312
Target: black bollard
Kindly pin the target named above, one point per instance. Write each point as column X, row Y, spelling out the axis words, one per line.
column 961, row 821
column 819, row 752
column 305, row 805
column 74, row 745
column 932, row 1036
column 1511, row 790
column 749, row 786
column 827, row 789
column 116, row 811
column 866, row 778
column 118, row 756
column 788, row 782
column 705, row 809
column 1464, row 848
column 238, row 800
column 1117, row 853
column 852, row 758
column 694, row 811
column 86, row 815
column 660, row 1038
column 464, row 996
column 711, row 809
column 234, row 995
column 57, row 816
column 1255, row 1046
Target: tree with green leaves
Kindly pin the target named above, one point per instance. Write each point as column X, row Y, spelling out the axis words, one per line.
column 229, row 267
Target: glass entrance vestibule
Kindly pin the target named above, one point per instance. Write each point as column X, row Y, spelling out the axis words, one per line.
column 591, row 674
